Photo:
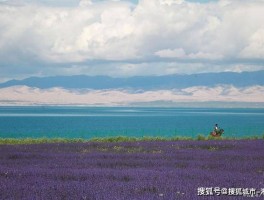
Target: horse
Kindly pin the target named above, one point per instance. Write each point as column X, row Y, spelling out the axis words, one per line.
column 217, row 133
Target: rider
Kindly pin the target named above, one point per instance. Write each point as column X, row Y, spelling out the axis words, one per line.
column 216, row 128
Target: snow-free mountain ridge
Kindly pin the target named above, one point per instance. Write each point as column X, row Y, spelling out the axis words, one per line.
column 243, row 79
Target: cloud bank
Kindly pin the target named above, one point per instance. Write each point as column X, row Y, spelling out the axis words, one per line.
column 124, row 39
column 23, row 95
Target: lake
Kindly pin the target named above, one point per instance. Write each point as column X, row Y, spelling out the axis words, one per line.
column 90, row 122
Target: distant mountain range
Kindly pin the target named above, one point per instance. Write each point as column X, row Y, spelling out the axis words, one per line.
column 243, row 79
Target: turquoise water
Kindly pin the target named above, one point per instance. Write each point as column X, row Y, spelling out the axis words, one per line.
column 89, row 122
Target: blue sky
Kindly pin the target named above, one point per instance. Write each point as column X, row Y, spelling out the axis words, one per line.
column 120, row 39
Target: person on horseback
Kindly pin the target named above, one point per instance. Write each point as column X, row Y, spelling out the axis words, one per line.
column 216, row 129
column 217, row 132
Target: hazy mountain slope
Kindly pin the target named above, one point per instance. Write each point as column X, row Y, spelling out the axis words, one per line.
column 143, row 82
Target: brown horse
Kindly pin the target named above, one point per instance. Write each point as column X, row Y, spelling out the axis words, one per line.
column 217, row 133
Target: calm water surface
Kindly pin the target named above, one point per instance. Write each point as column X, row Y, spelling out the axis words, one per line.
column 89, row 122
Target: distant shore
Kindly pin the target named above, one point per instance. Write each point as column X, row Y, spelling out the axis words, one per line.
column 118, row 139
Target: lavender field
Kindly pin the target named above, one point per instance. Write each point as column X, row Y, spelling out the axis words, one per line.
column 129, row 170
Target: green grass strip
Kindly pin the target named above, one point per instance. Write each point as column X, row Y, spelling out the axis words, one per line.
column 14, row 141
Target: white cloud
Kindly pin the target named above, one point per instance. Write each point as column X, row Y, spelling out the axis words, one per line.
column 120, row 31
column 180, row 53
column 168, row 53
column 23, row 95
column 85, row 2
column 170, row 2
column 255, row 48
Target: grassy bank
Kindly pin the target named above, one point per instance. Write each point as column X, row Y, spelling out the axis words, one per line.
column 116, row 139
